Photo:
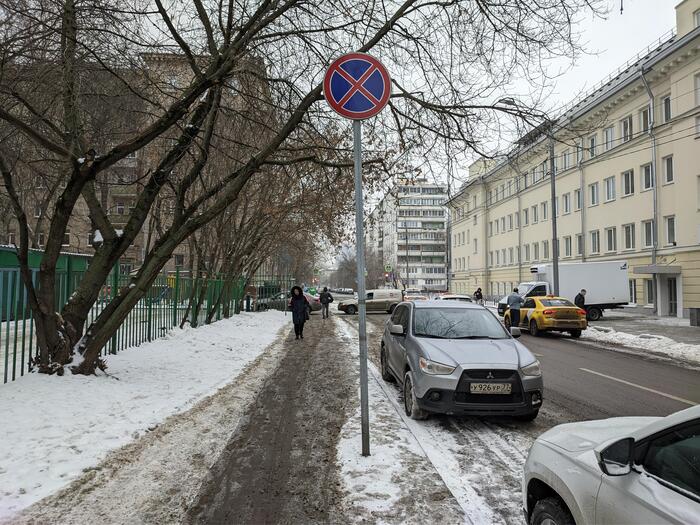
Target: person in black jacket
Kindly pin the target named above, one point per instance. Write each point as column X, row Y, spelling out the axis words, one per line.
column 580, row 299
column 300, row 310
column 479, row 296
column 326, row 300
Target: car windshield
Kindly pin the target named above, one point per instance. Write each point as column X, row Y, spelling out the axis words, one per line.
column 556, row 302
column 524, row 288
column 457, row 323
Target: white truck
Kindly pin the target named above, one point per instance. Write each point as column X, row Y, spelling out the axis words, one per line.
column 606, row 284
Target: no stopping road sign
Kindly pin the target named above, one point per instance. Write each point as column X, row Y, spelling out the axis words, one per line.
column 357, row 86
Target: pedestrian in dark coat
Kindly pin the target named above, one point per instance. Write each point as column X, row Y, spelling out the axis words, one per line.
column 479, row 296
column 580, row 299
column 326, row 300
column 300, row 310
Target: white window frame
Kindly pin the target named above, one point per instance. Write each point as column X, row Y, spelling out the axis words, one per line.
column 535, row 251
column 670, row 229
column 666, row 162
column 666, row 114
column 626, row 129
column 577, row 200
column 580, row 244
column 609, row 138
column 510, row 222
column 544, row 210
column 629, row 233
column 526, row 217
column 647, row 176
column 567, row 246
column 592, row 145
column 527, row 253
column 593, row 194
column 644, row 112
column 648, row 240
column 545, row 250
column 534, row 217
column 66, row 234
column 609, row 188
column 627, row 183
column 566, row 198
column 594, row 236
column 611, row 235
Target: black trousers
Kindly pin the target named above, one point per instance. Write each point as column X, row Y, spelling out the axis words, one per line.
column 298, row 329
column 325, row 309
column 515, row 317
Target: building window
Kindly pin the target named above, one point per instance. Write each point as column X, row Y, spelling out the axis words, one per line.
column 475, row 219
column 503, row 256
column 567, row 246
column 595, row 241
column 11, row 239
column 609, row 137
column 577, row 200
column 526, row 217
column 42, row 240
column 510, row 222
column 611, row 239
column 545, row 249
column 609, row 189
column 579, row 244
column 527, row 252
column 566, row 199
column 633, row 291
column 66, row 238
column 647, row 177
column 593, row 193
column 697, row 89
column 579, row 152
column 628, row 182
column 544, row 210
column 120, row 208
column 534, row 215
column 535, row 251
column 626, row 128
column 591, row 146
column 696, row 18
column 668, row 169
column 490, row 228
column 490, row 258
column 517, row 220
column 556, row 206
column 628, row 230
column 510, row 255
column 666, row 108
column 644, row 119
column 498, row 258
column 649, row 290
column 670, row 230
column 566, row 159
column 37, row 212
column 648, row 232
column 475, row 246
column 503, row 224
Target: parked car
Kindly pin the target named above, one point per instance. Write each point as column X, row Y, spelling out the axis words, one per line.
column 457, row 358
column 413, row 297
column 379, row 300
column 550, row 314
column 622, row 470
column 454, row 297
column 273, row 301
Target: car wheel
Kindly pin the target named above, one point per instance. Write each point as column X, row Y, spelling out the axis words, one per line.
column 575, row 334
column 528, row 417
column 410, row 402
column 386, row 374
column 594, row 314
column 534, row 330
column 506, row 322
column 392, row 308
column 351, row 310
column 551, row 511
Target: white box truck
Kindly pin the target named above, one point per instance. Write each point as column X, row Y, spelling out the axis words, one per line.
column 606, row 284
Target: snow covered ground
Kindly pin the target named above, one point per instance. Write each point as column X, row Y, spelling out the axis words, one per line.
column 55, row 428
column 657, row 344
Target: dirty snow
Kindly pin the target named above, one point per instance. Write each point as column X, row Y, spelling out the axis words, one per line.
column 56, row 427
column 657, row 344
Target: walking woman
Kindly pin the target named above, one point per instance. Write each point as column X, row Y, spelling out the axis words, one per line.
column 300, row 311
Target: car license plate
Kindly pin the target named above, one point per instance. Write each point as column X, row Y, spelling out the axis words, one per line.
column 490, row 388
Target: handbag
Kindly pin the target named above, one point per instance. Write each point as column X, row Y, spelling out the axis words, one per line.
column 306, row 314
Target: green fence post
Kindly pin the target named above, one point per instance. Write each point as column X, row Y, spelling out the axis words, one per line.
column 176, row 295
column 115, row 285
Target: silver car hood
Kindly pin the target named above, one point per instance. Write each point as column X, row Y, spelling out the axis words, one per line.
column 507, row 353
column 586, row 435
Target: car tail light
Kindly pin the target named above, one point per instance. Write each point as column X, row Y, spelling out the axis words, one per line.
column 548, row 312
column 582, row 312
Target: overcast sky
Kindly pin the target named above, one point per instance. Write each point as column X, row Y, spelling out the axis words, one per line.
column 615, row 40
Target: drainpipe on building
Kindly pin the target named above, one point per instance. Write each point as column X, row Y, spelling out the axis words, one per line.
column 655, row 195
column 582, row 185
column 487, row 282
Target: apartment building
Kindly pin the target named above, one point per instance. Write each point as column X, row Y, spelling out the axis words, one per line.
column 407, row 230
column 627, row 175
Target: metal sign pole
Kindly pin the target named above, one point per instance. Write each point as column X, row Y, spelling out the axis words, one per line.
column 361, row 304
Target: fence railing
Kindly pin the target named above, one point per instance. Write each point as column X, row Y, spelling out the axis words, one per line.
column 171, row 298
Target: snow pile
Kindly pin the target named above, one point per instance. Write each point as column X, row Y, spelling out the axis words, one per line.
column 654, row 343
column 55, row 427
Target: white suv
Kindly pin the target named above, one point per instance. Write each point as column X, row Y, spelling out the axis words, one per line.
column 620, row 470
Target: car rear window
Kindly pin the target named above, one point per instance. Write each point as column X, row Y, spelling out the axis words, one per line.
column 557, row 302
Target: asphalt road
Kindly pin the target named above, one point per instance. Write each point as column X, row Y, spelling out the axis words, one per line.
column 583, row 381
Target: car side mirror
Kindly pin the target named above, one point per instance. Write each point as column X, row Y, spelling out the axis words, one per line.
column 616, row 459
column 396, row 329
column 515, row 331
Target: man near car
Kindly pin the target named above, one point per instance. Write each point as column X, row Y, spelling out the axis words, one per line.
column 326, row 300
column 580, row 299
column 514, row 302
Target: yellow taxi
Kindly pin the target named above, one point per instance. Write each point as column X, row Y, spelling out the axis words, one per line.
column 549, row 313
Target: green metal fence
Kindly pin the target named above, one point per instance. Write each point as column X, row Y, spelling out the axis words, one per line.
column 170, row 298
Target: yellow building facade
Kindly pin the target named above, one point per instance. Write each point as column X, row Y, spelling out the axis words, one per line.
column 627, row 185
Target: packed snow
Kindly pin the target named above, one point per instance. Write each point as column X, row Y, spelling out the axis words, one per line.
column 657, row 344
column 56, row 427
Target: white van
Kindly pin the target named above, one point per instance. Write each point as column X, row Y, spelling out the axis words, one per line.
column 379, row 300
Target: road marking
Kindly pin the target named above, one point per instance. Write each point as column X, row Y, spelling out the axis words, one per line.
column 537, row 355
column 680, row 399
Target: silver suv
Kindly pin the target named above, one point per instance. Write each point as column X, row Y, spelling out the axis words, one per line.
column 456, row 358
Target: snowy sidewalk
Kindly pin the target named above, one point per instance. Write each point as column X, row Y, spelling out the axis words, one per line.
column 57, row 428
